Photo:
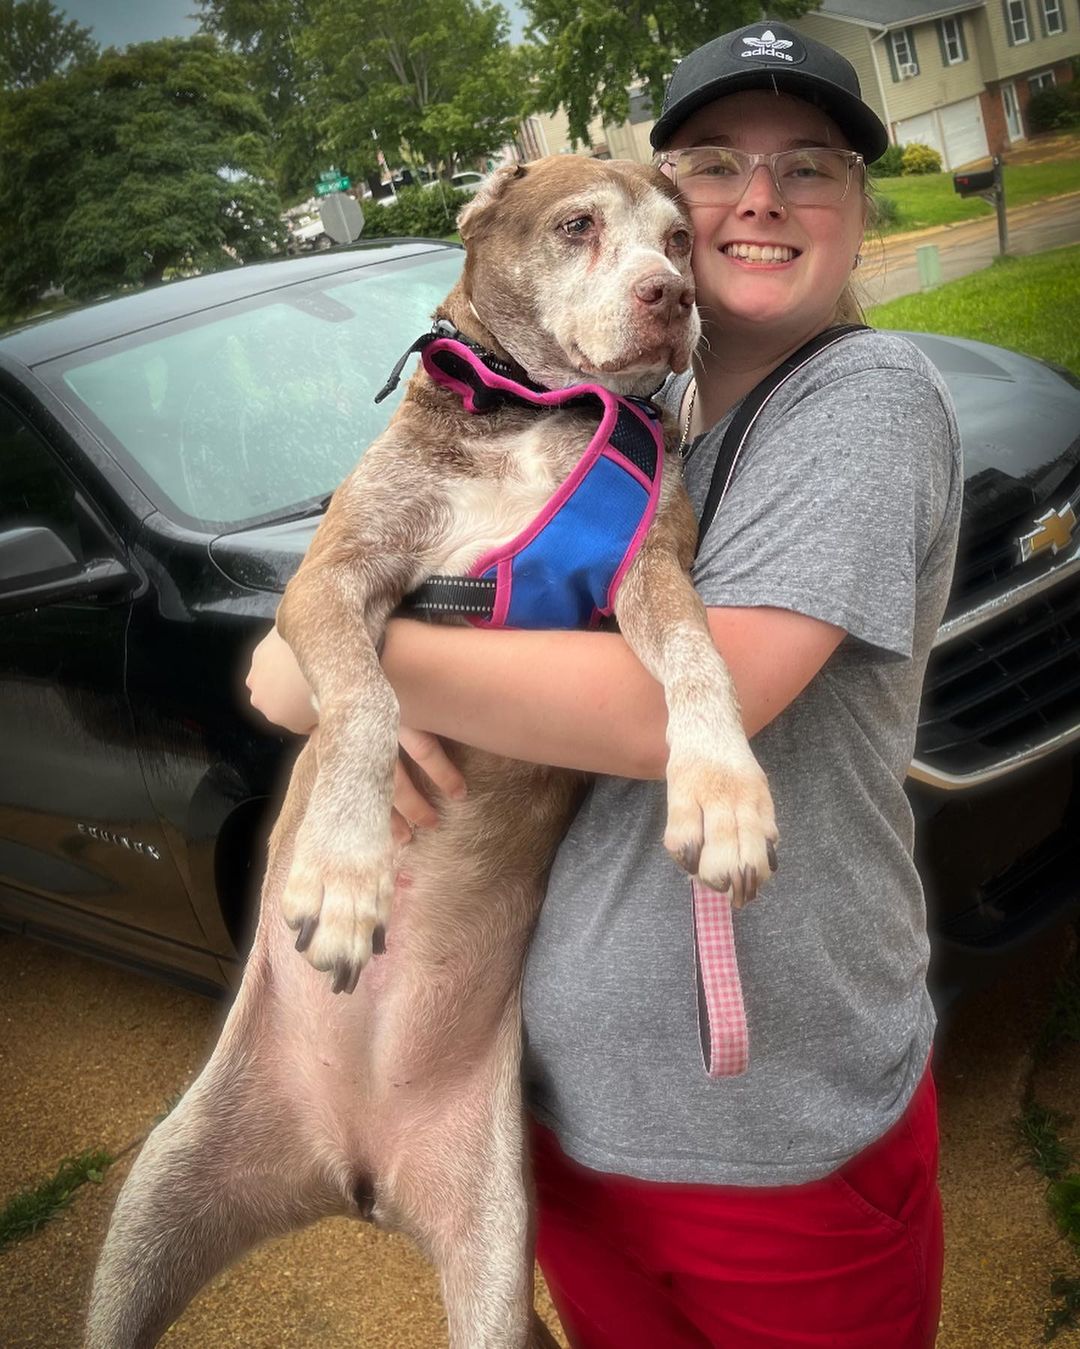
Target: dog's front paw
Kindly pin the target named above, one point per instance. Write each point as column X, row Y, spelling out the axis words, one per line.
column 721, row 826
column 339, row 906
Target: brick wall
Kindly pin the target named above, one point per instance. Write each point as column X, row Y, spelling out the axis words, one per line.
column 993, row 110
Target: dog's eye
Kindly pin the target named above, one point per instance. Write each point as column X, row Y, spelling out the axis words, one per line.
column 579, row 225
column 680, row 241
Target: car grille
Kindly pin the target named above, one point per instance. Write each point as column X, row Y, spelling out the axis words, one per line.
column 997, row 511
column 1006, row 685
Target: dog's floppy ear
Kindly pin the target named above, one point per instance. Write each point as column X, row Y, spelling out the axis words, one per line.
column 470, row 221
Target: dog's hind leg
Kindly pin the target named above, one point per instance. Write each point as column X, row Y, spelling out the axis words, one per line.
column 457, row 1185
column 232, row 1164
column 213, row 1179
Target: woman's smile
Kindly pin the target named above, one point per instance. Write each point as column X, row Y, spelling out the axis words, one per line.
column 759, row 254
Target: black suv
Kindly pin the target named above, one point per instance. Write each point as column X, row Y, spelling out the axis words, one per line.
column 164, row 459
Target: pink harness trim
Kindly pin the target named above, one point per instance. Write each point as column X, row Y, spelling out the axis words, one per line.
column 722, row 1031
column 501, row 557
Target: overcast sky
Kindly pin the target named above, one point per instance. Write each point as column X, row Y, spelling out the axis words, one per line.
column 115, row 23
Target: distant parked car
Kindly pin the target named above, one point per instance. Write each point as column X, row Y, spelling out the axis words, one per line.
column 164, row 461
column 467, row 181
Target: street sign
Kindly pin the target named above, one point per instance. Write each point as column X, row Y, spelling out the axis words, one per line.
column 328, row 185
column 342, row 218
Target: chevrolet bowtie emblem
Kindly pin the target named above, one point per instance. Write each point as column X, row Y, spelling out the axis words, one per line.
column 1053, row 530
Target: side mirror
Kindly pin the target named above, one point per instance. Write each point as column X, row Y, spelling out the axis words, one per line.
column 38, row 568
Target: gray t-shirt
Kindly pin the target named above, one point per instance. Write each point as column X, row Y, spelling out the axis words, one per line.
column 844, row 506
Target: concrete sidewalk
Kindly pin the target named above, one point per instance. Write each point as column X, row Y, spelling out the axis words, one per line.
column 889, row 267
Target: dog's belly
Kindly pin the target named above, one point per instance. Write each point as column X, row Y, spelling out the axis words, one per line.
column 429, row 1015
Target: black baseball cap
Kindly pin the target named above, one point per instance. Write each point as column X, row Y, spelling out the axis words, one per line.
column 770, row 55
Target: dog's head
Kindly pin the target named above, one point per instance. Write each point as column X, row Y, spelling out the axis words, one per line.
column 582, row 268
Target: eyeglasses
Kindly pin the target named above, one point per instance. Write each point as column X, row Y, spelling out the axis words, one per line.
column 714, row 175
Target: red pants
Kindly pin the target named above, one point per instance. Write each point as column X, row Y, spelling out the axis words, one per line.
column 849, row 1262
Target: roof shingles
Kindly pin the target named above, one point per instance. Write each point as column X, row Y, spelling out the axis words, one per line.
column 893, row 13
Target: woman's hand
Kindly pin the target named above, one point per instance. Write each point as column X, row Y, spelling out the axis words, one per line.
column 412, row 809
column 278, row 687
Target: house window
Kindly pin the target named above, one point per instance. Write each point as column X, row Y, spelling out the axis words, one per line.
column 1043, row 80
column 904, row 61
column 1053, row 18
column 1016, row 21
column 951, row 33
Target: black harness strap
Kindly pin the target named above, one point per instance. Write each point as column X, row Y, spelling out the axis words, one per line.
column 471, row 595
column 743, row 421
column 444, row 328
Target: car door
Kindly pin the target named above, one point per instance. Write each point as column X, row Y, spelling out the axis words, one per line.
column 81, row 848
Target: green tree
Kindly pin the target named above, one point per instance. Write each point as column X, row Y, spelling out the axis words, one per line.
column 146, row 159
column 36, row 42
column 589, row 52
column 437, row 80
column 266, row 33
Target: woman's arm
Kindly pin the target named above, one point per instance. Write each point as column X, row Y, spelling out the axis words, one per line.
column 573, row 699
column 582, row 699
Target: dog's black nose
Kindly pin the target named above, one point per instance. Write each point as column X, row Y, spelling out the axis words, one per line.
column 665, row 292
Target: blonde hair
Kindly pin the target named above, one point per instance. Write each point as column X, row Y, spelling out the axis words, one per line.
column 849, row 307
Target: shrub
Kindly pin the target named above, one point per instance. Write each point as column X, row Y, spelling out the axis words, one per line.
column 418, row 211
column 1052, row 110
column 890, row 165
column 920, row 159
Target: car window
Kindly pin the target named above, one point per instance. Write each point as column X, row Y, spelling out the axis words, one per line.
column 36, row 490
column 257, row 407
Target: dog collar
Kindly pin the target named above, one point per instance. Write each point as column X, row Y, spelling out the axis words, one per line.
column 563, row 569
column 443, row 328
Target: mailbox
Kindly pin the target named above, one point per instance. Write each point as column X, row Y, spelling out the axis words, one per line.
column 968, row 184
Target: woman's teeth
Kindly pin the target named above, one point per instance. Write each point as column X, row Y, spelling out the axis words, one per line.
column 760, row 252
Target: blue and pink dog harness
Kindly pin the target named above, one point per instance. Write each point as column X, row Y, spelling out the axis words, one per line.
column 564, row 568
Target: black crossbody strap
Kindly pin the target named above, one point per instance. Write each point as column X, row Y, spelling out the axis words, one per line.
column 749, row 410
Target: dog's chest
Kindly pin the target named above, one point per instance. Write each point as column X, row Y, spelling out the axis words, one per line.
column 526, row 467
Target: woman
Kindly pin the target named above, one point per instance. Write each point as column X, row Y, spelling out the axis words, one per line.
column 795, row 1204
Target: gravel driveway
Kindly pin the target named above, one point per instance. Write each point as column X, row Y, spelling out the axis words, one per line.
column 90, row 1055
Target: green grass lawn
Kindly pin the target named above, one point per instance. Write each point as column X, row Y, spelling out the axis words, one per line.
column 1028, row 304
column 928, row 199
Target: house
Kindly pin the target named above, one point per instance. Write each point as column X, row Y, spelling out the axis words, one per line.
column 948, row 73
column 957, row 76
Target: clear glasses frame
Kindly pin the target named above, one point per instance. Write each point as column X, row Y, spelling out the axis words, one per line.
column 814, row 189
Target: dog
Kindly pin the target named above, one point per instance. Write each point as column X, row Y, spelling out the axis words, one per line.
column 397, row 1098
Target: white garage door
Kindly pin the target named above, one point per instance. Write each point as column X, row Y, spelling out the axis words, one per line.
column 921, row 130
column 965, row 135
column 956, row 132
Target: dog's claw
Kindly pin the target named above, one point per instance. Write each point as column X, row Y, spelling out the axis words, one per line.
column 689, row 857
column 378, row 940
column 770, row 852
column 307, row 931
column 346, row 976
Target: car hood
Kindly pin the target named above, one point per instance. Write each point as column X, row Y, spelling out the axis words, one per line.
column 1017, row 416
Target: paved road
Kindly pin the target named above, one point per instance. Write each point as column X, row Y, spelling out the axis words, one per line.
column 89, row 1056
column 889, row 268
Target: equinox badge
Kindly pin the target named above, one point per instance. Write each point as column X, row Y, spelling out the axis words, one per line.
column 1053, row 530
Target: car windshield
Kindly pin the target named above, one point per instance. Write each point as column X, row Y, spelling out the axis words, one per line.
column 243, row 412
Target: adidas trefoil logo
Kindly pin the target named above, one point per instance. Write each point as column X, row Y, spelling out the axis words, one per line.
column 768, row 44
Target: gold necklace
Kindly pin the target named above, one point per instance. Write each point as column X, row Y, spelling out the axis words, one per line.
column 689, row 418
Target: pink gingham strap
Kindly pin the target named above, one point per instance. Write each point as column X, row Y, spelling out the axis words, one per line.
column 725, row 1044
